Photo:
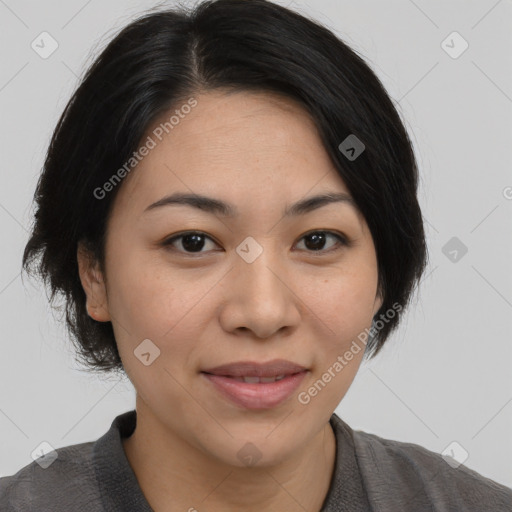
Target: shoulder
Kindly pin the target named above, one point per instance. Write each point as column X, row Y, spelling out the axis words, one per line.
column 409, row 474
column 67, row 483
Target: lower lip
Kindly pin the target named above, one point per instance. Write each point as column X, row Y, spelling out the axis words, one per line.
column 260, row 395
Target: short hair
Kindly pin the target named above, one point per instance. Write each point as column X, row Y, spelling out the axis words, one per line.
column 164, row 57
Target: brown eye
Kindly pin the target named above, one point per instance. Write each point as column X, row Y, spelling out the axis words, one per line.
column 316, row 241
column 193, row 242
column 190, row 242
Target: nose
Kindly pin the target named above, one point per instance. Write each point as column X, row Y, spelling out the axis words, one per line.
column 260, row 297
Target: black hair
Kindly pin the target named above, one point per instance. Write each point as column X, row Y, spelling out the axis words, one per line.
column 161, row 59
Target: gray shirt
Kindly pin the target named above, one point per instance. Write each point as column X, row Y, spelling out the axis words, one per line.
column 371, row 474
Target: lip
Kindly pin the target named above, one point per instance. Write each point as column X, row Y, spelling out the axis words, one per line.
column 262, row 395
column 254, row 369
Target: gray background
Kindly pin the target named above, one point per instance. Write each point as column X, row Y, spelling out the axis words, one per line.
column 446, row 374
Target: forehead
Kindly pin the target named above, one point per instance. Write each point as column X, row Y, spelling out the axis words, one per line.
column 243, row 146
column 240, row 121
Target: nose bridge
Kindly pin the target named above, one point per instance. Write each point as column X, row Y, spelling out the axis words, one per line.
column 263, row 296
column 259, row 267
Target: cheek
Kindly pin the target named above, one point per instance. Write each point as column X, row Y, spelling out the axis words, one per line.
column 151, row 300
column 343, row 313
column 343, row 302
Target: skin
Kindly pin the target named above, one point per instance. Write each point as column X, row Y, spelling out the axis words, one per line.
column 261, row 152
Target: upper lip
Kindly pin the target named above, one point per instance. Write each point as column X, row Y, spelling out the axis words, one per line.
column 254, row 369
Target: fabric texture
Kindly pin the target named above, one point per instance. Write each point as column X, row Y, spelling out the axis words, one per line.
column 371, row 474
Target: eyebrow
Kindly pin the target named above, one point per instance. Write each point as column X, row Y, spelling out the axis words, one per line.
column 218, row 207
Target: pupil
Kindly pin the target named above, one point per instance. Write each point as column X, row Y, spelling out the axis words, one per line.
column 316, row 239
column 192, row 242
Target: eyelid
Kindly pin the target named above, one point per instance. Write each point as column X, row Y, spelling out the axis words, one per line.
column 167, row 242
column 343, row 241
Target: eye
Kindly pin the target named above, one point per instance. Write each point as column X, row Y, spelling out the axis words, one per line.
column 192, row 242
column 315, row 241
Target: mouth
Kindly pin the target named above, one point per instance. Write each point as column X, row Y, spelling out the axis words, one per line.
column 254, row 380
column 276, row 369
column 253, row 392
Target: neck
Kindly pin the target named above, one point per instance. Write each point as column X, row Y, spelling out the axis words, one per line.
column 176, row 476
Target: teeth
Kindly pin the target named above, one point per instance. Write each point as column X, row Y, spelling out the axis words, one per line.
column 254, row 380
column 272, row 379
column 251, row 380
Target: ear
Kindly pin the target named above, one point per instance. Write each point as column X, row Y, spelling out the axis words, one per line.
column 93, row 284
column 377, row 304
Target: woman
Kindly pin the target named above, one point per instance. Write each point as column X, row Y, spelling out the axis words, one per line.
column 228, row 204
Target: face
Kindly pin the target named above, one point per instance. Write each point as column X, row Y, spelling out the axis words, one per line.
column 255, row 286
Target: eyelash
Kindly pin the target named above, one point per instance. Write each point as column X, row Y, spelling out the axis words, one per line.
column 342, row 240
